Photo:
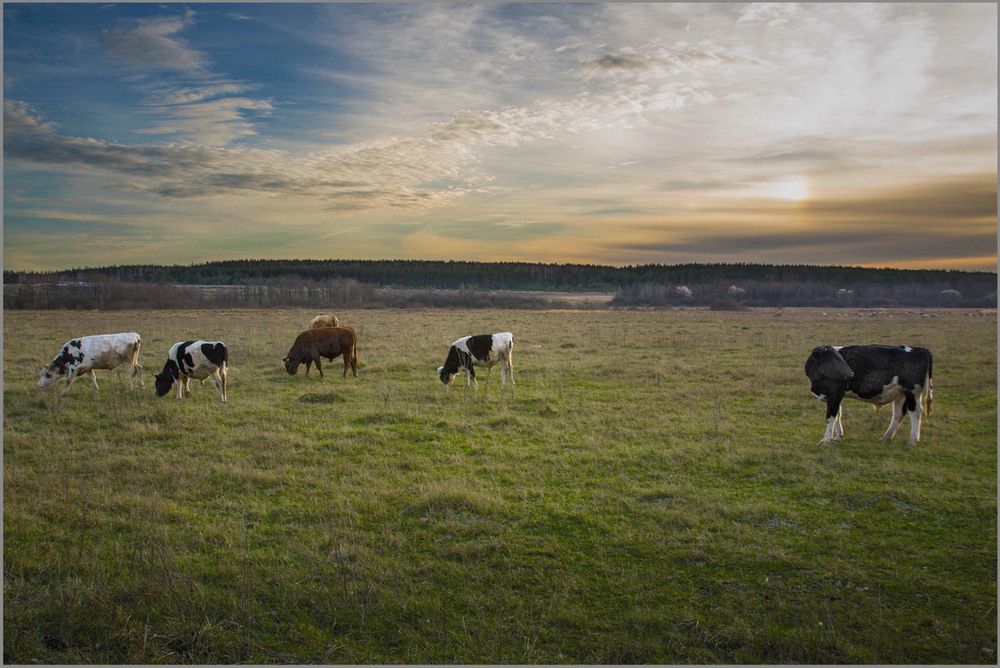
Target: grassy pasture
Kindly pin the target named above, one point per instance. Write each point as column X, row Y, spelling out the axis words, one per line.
column 651, row 492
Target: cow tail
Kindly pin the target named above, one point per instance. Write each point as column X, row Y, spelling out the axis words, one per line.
column 930, row 383
column 135, row 352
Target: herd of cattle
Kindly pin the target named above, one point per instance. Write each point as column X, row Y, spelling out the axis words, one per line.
column 877, row 374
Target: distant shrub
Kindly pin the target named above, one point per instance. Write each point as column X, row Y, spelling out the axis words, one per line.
column 727, row 304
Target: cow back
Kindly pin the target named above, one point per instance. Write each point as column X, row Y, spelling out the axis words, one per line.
column 322, row 342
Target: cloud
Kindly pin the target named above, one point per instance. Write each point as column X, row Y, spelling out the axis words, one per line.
column 947, row 203
column 176, row 95
column 817, row 246
column 682, row 185
column 800, row 155
column 28, row 137
column 663, row 61
column 197, row 106
column 436, row 168
column 772, row 14
column 498, row 231
column 149, row 46
column 210, row 122
column 949, row 217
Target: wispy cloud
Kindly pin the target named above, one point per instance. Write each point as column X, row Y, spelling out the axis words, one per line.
column 413, row 172
column 196, row 106
column 151, row 45
column 665, row 60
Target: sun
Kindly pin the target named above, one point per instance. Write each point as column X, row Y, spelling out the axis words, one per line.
column 790, row 190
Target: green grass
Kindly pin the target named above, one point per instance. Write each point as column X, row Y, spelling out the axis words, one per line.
column 651, row 492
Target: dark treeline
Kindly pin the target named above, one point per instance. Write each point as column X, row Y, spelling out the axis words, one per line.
column 110, row 294
column 348, row 283
column 440, row 275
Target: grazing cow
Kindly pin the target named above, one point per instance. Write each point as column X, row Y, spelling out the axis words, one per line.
column 878, row 374
column 194, row 359
column 481, row 350
column 328, row 342
column 101, row 351
column 325, row 320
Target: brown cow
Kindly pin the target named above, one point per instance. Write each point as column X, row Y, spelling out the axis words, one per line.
column 328, row 342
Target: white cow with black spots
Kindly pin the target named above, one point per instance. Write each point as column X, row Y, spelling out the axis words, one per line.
column 194, row 359
column 486, row 350
column 101, row 351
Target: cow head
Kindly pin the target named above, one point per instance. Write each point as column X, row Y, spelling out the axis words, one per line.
column 51, row 375
column 164, row 381
column 445, row 377
column 290, row 366
column 61, row 365
column 827, row 371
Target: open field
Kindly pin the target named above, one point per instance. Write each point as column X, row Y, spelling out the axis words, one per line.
column 651, row 492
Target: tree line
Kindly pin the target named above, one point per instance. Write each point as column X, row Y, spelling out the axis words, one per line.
column 358, row 283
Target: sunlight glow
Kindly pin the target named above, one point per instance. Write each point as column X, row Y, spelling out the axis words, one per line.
column 792, row 190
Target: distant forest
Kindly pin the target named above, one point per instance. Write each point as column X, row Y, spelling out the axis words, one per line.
column 402, row 283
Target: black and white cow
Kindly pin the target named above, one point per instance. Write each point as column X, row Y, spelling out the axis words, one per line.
column 485, row 350
column 194, row 359
column 100, row 351
column 878, row 374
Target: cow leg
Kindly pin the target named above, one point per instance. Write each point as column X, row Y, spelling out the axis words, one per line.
column 506, row 372
column 915, row 417
column 898, row 410
column 347, row 363
column 308, row 364
column 838, row 424
column 220, row 384
column 70, row 377
column 471, row 376
column 133, row 371
column 916, row 414
column 93, row 379
column 319, row 368
column 834, row 425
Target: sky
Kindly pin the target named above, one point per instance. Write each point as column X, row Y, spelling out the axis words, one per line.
column 601, row 133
